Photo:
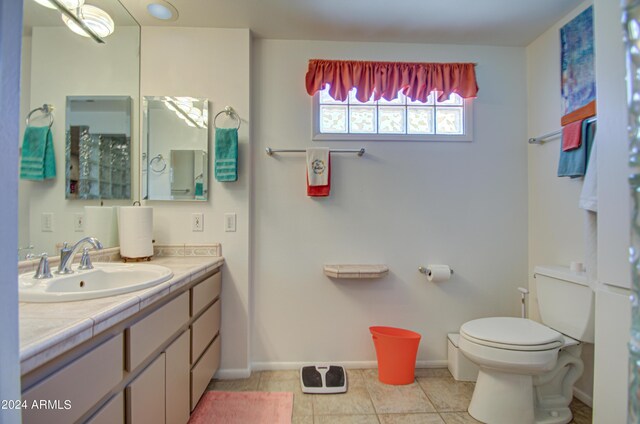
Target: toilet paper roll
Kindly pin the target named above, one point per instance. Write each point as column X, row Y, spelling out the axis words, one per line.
column 438, row 273
column 135, row 225
column 101, row 222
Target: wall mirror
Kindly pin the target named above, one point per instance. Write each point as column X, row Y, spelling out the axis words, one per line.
column 98, row 147
column 58, row 64
column 175, row 150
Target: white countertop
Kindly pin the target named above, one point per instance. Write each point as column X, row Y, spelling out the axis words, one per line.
column 50, row 329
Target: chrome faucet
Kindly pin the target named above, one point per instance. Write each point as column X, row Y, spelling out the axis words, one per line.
column 66, row 254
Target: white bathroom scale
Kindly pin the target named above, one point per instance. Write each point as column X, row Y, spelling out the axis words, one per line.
column 323, row 379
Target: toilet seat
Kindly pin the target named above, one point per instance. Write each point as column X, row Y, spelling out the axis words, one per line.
column 508, row 333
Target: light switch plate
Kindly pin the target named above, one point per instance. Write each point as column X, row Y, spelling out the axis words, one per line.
column 78, row 222
column 197, row 222
column 46, row 222
column 230, row 222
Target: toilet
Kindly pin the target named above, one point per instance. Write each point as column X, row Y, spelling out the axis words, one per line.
column 527, row 369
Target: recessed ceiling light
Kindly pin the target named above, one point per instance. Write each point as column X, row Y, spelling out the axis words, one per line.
column 69, row 4
column 95, row 18
column 162, row 10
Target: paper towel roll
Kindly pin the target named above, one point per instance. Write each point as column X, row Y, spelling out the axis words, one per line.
column 438, row 273
column 135, row 225
column 101, row 222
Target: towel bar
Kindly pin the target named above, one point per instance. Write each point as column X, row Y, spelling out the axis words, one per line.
column 541, row 139
column 271, row 151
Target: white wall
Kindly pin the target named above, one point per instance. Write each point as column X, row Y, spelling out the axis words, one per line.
column 63, row 64
column 10, row 40
column 403, row 204
column 212, row 63
column 556, row 223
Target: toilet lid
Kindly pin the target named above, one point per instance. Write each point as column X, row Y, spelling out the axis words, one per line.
column 512, row 333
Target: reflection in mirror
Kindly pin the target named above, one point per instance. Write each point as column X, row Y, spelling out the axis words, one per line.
column 175, row 156
column 57, row 64
column 98, row 147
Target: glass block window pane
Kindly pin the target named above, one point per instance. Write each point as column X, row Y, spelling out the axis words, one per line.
column 353, row 100
column 400, row 100
column 430, row 101
column 333, row 119
column 391, row 120
column 454, row 99
column 397, row 117
column 325, row 98
column 362, row 119
column 420, row 120
column 449, row 120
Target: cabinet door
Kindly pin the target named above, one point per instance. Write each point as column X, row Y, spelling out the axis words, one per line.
column 177, row 380
column 146, row 395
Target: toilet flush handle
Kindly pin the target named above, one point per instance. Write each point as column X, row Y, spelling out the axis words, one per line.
column 523, row 293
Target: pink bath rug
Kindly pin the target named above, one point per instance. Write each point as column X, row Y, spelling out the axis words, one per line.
column 243, row 408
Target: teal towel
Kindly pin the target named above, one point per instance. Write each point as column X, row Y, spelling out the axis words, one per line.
column 38, row 159
column 573, row 163
column 199, row 189
column 226, row 154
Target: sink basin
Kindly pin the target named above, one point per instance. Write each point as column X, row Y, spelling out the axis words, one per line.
column 106, row 279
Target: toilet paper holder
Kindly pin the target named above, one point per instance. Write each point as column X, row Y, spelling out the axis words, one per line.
column 427, row 271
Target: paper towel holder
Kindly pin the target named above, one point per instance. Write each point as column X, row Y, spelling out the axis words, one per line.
column 427, row 271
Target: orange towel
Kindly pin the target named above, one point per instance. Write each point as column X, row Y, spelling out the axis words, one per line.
column 572, row 135
column 323, row 190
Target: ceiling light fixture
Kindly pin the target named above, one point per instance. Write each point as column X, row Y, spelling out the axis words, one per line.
column 184, row 109
column 96, row 19
column 163, row 10
column 69, row 4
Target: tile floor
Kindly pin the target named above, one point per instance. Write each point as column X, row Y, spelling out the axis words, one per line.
column 434, row 398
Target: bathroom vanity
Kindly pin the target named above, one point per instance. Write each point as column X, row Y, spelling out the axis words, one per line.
column 141, row 357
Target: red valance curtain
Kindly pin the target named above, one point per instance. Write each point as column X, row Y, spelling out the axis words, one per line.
column 386, row 79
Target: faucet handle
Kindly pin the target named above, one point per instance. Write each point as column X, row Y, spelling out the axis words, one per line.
column 43, row 270
column 85, row 260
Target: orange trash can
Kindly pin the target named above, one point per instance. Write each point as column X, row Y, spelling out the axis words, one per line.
column 396, row 350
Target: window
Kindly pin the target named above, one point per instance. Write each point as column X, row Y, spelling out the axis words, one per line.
column 349, row 100
column 397, row 119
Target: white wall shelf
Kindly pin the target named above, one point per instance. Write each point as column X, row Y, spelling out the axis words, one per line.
column 356, row 271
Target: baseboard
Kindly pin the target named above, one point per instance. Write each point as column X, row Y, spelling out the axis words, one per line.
column 232, row 374
column 582, row 396
column 439, row 363
column 278, row 366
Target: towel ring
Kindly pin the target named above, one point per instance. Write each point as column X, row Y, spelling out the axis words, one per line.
column 228, row 110
column 45, row 109
column 158, row 164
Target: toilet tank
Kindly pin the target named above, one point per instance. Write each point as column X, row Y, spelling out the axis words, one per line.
column 566, row 301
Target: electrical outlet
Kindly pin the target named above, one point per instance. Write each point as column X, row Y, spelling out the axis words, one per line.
column 197, row 222
column 230, row 222
column 78, row 222
column 46, row 222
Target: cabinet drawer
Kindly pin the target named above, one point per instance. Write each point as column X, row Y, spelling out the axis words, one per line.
column 204, row 329
column 111, row 413
column 101, row 366
column 204, row 293
column 146, row 395
column 203, row 371
column 147, row 335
